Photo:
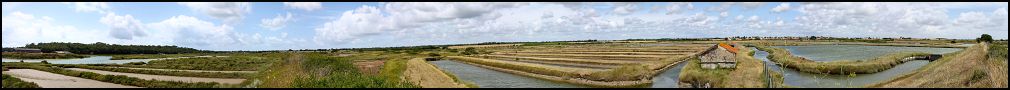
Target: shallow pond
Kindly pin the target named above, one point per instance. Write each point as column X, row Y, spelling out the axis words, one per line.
column 845, row 52
column 856, row 52
column 89, row 60
column 487, row 78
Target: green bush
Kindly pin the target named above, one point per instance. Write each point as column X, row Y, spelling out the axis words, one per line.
column 11, row 82
column 330, row 72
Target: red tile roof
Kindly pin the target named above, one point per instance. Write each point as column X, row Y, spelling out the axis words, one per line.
column 729, row 48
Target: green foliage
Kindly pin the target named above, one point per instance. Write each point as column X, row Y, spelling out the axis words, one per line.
column 470, row 51
column 117, row 79
column 236, row 63
column 624, row 73
column 156, row 72
column 330, row 72
column 102, row 48
column 11, row 82
column 45, row 62
column 150, row 56
column 136, row 63
column 42, row 56
column 985, row 38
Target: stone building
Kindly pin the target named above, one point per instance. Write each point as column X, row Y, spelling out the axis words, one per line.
column 721, row 56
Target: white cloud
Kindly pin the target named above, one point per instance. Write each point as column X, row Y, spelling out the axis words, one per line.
column 366, row 20
column 678, row 7
column 230, row 12
column 276, row 23
column 724, row 14
column 307, row 6
column 100, row 7
column 189, row 31
column 123, row 27
column 625, row 8
column 781, row 8
column 751, row 5
column 369, row 21
column 20, row 29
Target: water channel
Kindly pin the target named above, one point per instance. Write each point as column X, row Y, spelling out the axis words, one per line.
column 796, row 78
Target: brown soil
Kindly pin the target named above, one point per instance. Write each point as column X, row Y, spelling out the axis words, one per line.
column 370, row 67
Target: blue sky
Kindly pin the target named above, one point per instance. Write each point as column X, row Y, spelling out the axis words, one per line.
column 309, row 25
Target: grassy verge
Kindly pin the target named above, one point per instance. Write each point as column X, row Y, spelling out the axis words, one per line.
column 149, row 56
column 331, row 72
column 156, row 72
column 117, row 79
column 42, row 56
column 969, row 68
column 11, row 82
column 842, row 67
column 749, row 73
column 235, row 63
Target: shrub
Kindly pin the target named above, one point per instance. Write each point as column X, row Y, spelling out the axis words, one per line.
column 11, row 82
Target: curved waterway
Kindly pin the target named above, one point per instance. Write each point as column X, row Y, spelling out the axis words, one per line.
column 845, row 52
column 822, row 53
column 487, row 78
column 89, row 60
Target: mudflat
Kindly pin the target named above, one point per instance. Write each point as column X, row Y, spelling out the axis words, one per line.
column 52, row 80
column 164, row 78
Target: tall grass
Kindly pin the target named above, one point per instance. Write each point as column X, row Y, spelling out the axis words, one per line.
column 235, row 63
column 150, row 56
column 157, row 72
column 11, row 82
column 842, row 67
column 341, row 73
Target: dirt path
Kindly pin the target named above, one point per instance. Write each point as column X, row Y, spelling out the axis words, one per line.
column 189, row 70
column 51, row 80
column 428, row 76
column 164, row 78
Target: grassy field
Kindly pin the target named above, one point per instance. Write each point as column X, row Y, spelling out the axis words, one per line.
column 124, row 80
column 150, row 56
column 749, row 73
column 971, row 68
column 841, row 67
column 314, row 70
column 41, row 56
column 157, row 72
column 234, row 63
column 11, row 82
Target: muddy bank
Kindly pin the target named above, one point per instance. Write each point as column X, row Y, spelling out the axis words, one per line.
column 164, row 78
column 51, row 80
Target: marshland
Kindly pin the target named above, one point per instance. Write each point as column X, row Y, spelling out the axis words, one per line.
column 578, row 64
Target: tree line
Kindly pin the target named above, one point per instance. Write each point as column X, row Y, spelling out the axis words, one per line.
column 103, row 48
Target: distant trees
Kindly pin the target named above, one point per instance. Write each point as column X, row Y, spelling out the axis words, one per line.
column 103, row 48
column 985, row 38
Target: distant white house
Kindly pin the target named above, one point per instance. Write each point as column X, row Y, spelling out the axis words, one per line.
column 63, row 52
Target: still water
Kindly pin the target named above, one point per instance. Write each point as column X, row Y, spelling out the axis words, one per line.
column 845, row 52
column 89, row 60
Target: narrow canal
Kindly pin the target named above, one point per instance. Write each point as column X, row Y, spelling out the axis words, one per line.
column 845, row 52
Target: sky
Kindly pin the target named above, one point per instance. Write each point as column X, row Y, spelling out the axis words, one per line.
column 231, row 26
